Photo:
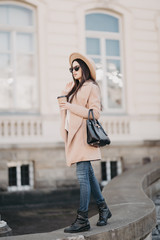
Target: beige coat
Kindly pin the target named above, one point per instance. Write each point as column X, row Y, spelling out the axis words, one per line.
column 76, row 147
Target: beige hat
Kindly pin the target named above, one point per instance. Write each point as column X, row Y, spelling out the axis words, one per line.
column 90, row 63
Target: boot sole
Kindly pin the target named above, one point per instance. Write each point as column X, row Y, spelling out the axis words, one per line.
column 80, row 230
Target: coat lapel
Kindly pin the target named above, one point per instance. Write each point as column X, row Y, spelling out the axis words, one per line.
column 74, row 124
column 63, row 131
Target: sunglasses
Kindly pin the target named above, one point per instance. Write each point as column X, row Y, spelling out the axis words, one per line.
column 76, row 68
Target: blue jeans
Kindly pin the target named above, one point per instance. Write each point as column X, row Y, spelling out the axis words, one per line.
column 88, row 183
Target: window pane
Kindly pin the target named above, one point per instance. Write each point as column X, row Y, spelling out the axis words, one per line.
column 26, row 88
column 12, row 176
column 112, row 48
column 25, row 65
column 3, row 14
column 24, row 42
column 23, row 16
column 5, row 62
column 6, row 82
column 113, row 169
column 113, row 66
column 15, row 15
column 26, row 93
column 99, row 72
column 6, row 95
column 4, row 41
column 99, row 69
column 93, row 46
column 18, row 82
column 102, row 22
column 25, row 175
column 104, row 171
column 114, row 84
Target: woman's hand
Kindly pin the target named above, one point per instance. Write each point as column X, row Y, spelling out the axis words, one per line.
column 65, row 105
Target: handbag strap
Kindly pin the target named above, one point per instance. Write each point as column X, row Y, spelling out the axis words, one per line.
column 91, row 111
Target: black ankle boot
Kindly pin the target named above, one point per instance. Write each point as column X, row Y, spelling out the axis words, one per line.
column 104, row 214
column 81, row 223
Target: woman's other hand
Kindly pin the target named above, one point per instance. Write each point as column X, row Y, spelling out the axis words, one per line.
column 65, row 105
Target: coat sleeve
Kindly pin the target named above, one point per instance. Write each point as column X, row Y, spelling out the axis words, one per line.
column 93, row 103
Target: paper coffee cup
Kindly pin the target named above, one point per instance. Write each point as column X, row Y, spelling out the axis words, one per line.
column 62, row 99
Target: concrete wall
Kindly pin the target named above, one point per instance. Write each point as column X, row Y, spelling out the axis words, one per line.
column 50, row 171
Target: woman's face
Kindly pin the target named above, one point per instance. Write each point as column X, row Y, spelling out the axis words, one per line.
column 77, row 71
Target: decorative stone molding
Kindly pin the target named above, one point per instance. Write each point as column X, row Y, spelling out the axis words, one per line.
column 20, row 127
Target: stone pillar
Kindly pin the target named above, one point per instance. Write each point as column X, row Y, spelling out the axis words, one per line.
column 3, row 175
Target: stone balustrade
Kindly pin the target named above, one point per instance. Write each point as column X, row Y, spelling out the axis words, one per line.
column 27, row 127
column 20, row 127
column 116, row 125
column 15, row 129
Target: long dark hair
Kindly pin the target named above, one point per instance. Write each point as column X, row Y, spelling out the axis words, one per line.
column 86, row 76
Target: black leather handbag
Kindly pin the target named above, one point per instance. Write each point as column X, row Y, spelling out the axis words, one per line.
column 96, row 136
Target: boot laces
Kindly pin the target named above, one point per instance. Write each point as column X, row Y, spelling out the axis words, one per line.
column 74, row 221
column 101, row 213
column 77, row 218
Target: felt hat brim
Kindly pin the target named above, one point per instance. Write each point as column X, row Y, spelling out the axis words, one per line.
column 90, row 63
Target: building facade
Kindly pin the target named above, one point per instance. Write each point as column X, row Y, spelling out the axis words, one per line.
column 36, row 39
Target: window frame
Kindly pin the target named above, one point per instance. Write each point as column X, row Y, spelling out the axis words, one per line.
column 19, row 186
column 104, row 36
column 108, row 169
column 13, row 30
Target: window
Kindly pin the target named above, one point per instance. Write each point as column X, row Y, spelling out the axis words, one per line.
column 20, row 176
column 12, row 176
column 25, row 174
column 109, row 170
column 103, row 45
column 18, row 77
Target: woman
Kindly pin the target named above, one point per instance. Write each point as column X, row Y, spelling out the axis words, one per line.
column 82, row 94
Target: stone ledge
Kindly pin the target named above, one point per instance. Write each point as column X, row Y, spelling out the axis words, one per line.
column 5, row 230
column 133, row 213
